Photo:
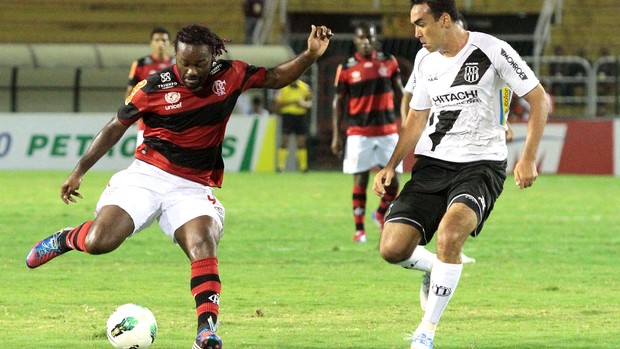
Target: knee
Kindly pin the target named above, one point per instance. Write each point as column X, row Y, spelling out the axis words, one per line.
column 398, row 241
column 101, row 241
column 199, row 238
column 393, row 253
column 98, row 245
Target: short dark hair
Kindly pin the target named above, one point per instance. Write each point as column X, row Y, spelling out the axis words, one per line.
column 200, row 35
column 439, row 7
column 159, row 30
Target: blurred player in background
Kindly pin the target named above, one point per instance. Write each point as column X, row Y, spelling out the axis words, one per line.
column 454, row 125
column 365, row 89
column 292, row 103
column 185, row 109
column 257, row 107
column 253, row 12
column 141, row 68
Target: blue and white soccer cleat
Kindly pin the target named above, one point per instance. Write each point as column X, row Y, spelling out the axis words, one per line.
column 46, row 250
column 420, row 341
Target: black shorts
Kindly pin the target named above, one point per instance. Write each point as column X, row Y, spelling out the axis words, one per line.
column 293, row 124
column 437, row 184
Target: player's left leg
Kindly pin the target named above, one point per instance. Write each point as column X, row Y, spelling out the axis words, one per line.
column 193, row 216
column 199, row 239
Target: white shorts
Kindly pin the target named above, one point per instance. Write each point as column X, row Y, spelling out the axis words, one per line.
column 363, row 153
column 147, row 193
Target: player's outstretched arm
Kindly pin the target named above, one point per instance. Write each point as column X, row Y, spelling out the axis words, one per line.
column 109, row 135
column 287, row 72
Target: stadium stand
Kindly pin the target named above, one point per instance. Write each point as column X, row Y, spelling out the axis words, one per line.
column 6, row 83
column 71, row 55
column 16, row 55
column 102, row 89
column 111, row 34
column 120, row 55
column 45, row 89
column 87, row 77
column 264, row 55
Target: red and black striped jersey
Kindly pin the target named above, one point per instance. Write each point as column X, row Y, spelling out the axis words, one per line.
column 366, row 82
column 184, row 129
column 145, row 66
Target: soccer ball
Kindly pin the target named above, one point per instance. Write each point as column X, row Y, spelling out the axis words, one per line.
column 131, row 326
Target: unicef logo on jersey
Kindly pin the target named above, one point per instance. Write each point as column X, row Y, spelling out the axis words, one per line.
column 472, row 73
column 172, row 98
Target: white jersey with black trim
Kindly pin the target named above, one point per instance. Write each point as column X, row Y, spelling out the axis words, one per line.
column 466, row 96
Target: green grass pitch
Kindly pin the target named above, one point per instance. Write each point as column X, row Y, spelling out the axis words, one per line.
column 547, row 272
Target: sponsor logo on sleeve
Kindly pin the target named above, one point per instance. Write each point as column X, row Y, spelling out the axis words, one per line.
column 517, row 68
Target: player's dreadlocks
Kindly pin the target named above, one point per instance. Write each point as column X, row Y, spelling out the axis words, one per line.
column 199, row 35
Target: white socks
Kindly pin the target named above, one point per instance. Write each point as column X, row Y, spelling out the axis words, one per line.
column 444, row 279
column 421, row 259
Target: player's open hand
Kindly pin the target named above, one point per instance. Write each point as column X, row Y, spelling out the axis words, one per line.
column 319, row 40
column 68, row 190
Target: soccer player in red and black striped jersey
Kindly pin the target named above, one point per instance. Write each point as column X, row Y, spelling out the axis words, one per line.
column 185, row 109
column 365, row 89
column 141, row 68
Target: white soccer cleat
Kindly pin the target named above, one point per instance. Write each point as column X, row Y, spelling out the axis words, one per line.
column 420, row 341
column 424, row 289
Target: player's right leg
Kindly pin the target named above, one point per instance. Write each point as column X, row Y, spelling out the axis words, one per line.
column 111, row 227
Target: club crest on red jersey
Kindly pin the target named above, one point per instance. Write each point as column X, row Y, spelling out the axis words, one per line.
column 219, row 87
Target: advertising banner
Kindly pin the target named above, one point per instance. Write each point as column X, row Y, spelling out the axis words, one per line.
column 57, row 142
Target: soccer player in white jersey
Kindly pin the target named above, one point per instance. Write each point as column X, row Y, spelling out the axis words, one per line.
column 454, row 125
